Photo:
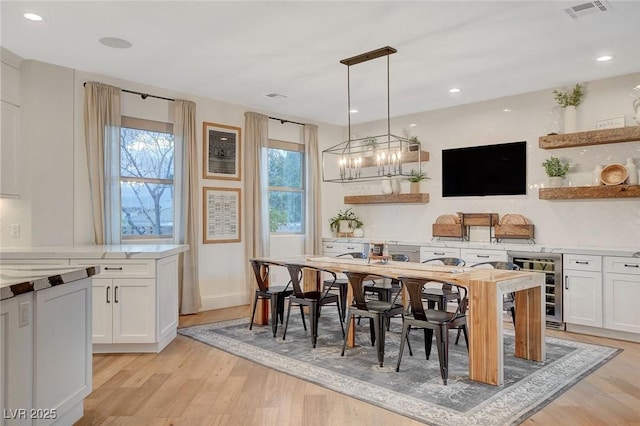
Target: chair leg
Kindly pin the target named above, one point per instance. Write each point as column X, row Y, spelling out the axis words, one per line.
column 253, row 314
column 304, row 324
column 466, row 336
column 314, row 312
column 380, row 329
column 344, row 343
column 286, row 324
column 343, row 299
column 442, row 341
column 405, row 336
column 513, row 315
column 341, row 320
column 372, row 331
column 274, row 314
column 428, row 338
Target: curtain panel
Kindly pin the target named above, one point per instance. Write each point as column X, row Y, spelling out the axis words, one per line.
column 313, row 237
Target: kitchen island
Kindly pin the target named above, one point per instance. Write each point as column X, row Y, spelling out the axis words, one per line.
column 45, row 343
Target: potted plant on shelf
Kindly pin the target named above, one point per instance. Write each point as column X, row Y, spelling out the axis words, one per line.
column 556, row 170
column 345, row 222
column 415, row 178
column 569, row 101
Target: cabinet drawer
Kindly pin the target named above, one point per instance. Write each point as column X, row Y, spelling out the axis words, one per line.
column 582, row 262
column 331, row 248
column 427, row 253
column 351, row 247
column 622, row 265
column 120, row 269
column 473, row 256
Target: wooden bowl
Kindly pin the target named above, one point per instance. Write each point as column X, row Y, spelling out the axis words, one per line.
column 614, row 174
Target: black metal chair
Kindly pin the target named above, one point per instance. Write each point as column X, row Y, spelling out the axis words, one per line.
column 431, row 320
column 508, row 302
column 444, row 293
column 275, row 294
column 379, row 312
column 384, row 290
column 313, row 299
column 342, row 284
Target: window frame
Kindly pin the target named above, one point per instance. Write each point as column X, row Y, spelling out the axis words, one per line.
column 293, row 147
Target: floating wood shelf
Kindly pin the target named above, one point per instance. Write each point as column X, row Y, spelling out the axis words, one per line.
column 407, row 157
column 584, row 192
column 592, row 137
column 387, row 199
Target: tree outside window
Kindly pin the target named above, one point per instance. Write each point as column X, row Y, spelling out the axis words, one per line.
column 286, row 189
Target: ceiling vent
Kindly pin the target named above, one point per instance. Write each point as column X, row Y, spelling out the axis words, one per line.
column 275, row 95
column 588, row 8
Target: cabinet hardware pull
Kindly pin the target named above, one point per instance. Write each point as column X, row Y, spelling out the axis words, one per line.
column 582, row 262
column 115, row 294
column 107, row 268
column 108, row 290
column 438, row 253
column 329, row 246
column 482, row 255
column 632, row 265
column 566, row 282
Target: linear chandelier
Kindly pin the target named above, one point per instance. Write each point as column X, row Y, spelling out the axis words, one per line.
column 371, row 157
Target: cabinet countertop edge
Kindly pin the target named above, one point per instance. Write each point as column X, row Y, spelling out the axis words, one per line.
column 97, row 252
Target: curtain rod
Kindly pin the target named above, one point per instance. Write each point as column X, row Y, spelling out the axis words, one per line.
column 142, row 95
column 282, row 121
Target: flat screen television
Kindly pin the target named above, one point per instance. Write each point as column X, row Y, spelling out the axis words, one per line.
column 499, row 169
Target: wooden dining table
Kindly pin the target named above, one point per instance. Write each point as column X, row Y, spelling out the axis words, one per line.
column 485, row 288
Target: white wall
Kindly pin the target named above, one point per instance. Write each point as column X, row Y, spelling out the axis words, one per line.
column 598, row 222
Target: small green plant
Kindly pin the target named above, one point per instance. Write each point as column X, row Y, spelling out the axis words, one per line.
column 370, row 142
column 555, row 167
column 349, row 216
column 416, row 176
column 572, row 98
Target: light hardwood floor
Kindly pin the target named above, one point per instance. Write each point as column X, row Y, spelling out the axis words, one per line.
column 190, row 383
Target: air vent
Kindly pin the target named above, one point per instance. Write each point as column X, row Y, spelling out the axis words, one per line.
column 275, row 95
column 588, row 8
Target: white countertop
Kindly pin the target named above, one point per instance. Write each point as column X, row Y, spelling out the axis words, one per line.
column 19, row 279
column 508, row 246
column 123, row 251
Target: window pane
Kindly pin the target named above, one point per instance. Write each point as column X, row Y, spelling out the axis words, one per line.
column 146, row 154
column 285, row 168
column 147, row 209
column 286, row 211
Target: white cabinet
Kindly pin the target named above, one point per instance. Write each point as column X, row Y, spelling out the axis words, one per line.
column 582, row 290
column 135, row 304
column 427, row 253
column 336, row 248
column 473, row 256
column 622, row 293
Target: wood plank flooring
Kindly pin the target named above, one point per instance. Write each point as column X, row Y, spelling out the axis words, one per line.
column 190, row 383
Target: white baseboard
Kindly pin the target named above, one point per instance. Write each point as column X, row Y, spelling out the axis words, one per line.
column 224, row 301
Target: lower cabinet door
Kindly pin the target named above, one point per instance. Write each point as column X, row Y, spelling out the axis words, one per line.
column 134, row 310
column 621, row 295
column 582, row 298
column 102, row 298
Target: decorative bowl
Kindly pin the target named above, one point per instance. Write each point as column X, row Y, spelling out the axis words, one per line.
column 613, row 174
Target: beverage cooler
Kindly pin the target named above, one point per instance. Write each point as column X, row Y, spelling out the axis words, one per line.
column 551, row 265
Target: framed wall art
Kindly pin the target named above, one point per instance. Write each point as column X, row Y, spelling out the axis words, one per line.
column 221, row 215
column 221, row 151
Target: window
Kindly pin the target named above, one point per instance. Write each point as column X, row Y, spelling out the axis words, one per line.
column 146, row 179
column 286, row 187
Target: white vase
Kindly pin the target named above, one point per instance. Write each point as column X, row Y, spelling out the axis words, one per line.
column 596, row 175
column 344, row 227
column 386, row 186
column 636, row 107
column 556, row 181
column 632, row 172
column 395, row 186
column 358, row 233
column 570, row 119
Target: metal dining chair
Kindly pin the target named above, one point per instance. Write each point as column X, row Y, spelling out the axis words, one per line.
column 381, row 289
column 342, row 284
column 444, row 293
column 275, row 294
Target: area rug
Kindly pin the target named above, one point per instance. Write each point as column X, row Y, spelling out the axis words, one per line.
column 416, row 391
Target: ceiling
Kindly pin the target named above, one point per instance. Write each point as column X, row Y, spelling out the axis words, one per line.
column 241, row 51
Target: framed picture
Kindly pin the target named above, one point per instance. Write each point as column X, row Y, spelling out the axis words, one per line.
column 221, row 211
column 221, row 151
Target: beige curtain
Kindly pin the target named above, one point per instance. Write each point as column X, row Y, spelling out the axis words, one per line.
column 102, row 139
column 313, row 237
column 256, row 206
column 185, row 134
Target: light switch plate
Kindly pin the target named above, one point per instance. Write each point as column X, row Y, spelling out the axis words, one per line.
column 24, row 314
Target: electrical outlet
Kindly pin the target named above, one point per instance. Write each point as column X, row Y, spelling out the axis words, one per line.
column 24, row 314
column 15, row 230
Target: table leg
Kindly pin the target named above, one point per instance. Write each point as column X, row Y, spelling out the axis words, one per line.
column 485, row 333
column 530, row 324
column 262, row 308
column 351, row 327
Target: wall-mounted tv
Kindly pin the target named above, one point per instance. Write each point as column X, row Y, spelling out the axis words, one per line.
column 499, row 169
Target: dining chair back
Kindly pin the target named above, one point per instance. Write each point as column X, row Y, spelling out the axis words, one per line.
column 275, row 294
column 341, row 285
column 508, row 301
column 431, row 320
column 313, row 299
column 381, row 288
column 379, row 312
column 441, row 294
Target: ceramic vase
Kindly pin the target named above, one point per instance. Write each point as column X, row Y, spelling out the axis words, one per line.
column 344, row 227
column 570, row 119
column 358, row 233
column 386, row 186
column 632, row 171
column 415, row 187
column 395, row 186
column 596, row 175
column 556, row 181
column 636, row 107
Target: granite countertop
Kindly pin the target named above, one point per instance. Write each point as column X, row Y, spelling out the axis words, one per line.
column 508, row 246
column 19, row 279
column 122, row 251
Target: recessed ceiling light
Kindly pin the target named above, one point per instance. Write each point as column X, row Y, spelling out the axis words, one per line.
column 638, row 87
column 116, row 43
column 353, row 111
column 32, row 17
column 604, row 58
column 412, row 125
column 454, row 90
column 506, row 110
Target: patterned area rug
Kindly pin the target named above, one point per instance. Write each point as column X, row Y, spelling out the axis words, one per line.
column 415, row 391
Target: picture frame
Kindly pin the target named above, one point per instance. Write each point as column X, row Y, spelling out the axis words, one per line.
column 222, row 212
column 221, row 151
